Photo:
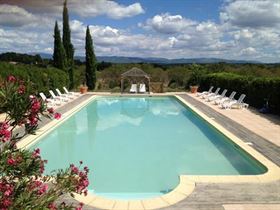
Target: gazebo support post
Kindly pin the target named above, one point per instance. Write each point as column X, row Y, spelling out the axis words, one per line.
column 122, row 85
column 149, row 84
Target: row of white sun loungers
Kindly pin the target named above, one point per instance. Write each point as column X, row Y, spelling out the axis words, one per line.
column 60, row 98
column 222, row 100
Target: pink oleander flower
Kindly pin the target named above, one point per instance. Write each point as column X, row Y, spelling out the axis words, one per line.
column 52, row 206
column 57, row 115
column 6, row 202
column 5, row 134
column 33, row 120
column 8, row 192
column 50, row 110
column 4, row 125
column 42, row 189
column 11, row 78
column 74, row 170
column 36, row 105
column 11, row 161
column 80, row 207
column 36, row 153
column 21, row 89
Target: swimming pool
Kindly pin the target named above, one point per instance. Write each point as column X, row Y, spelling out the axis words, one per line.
column 136, row 147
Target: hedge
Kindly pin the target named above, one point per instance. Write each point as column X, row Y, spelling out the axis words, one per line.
column 257, row 89
column 43, row 79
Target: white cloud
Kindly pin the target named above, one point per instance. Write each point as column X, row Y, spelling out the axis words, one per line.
column 24, row 41
column 85, row 8
column 165, row 35
column 252, row 13
column 104, row 7
column 248, row 51
column 14, row 16
column 168, row 24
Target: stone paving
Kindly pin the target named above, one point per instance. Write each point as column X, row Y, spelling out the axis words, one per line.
column 265, row 125
column 223, row 196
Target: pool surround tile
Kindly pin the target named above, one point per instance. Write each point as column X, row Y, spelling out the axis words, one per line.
column 135, row 205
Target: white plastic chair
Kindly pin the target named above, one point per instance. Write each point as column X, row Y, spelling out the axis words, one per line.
column 133, row 88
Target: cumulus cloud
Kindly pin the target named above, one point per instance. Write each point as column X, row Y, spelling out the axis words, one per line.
column 167, row 24
column 164, row 35
column 248, row 51
column 24, row 41
column 88, row 8
column 251, row 13
column 14, row 16
column 109, row 8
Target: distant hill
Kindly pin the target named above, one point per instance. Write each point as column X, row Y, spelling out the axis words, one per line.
column 123, row 59
column 119, row 59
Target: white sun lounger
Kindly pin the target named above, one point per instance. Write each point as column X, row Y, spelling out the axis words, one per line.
column 211, row 94
column 50, row 102
column 55, row 97
column 205, row 92
column 133, row 88
column 213, row 98
column 225, row 99
column 64, row 95
column 142, row 88
column 235, row 103
column 71, row 93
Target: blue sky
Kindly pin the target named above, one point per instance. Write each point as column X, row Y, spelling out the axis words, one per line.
column 231, row 29
column 200, row 10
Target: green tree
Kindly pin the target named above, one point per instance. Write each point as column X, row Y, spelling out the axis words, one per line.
column 58, row 50
column 69, row 49
column 90, row 62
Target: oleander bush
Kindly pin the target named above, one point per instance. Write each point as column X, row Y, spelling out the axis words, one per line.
column 43, row 79
column 22, row 182
column 257, row 89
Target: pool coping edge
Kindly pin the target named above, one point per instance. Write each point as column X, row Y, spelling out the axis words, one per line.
column 272, row 173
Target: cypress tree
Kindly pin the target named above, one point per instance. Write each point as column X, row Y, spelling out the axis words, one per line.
column 58, row 50
column 68, row 47
column 90, row 62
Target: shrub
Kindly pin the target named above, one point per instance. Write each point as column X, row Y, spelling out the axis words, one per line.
column 22, row 183
column 42, row 79
column 196, row 74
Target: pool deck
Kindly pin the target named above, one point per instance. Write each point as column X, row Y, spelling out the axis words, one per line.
column 245, row 124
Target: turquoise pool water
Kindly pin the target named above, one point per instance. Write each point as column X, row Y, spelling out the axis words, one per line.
column 137, row 147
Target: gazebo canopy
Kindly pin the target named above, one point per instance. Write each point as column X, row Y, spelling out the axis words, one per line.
column 135, row 72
